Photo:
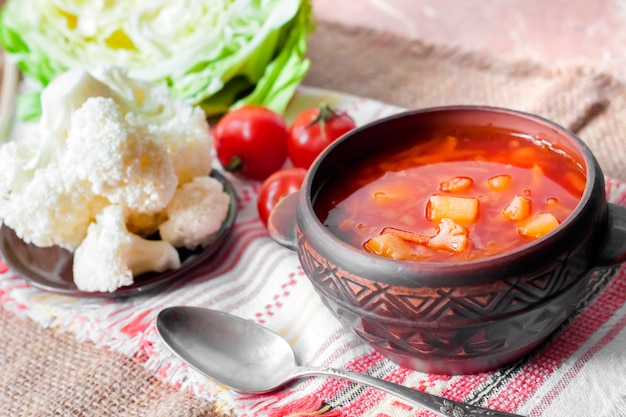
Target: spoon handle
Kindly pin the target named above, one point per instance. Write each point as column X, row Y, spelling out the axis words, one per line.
column 436, row 404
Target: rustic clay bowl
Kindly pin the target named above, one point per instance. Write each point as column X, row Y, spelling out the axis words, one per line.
column 462, row 317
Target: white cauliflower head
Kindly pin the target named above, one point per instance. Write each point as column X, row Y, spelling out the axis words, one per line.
column 195, row 213
column 122, row 162
column 15, row 157
column 117, row 150
column 110, row 256
column 59, row 100
column 54, row 208
column 188, row 142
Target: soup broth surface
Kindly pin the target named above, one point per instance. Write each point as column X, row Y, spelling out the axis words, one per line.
column 453, row 197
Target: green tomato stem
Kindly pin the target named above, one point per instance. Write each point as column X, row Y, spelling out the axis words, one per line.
column 235, row 164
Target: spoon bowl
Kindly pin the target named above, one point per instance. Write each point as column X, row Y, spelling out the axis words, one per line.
column 249, row 358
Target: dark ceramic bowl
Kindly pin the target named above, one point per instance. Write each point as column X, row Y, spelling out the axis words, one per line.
column 457, row 317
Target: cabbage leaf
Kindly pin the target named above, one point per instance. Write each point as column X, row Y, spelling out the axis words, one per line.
column 217, row 54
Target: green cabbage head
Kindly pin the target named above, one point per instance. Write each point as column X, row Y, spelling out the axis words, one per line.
column 214, row 53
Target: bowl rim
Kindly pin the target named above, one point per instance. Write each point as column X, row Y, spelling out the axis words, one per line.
column 450, row 271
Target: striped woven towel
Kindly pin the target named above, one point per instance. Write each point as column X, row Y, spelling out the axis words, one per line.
column 577, row 372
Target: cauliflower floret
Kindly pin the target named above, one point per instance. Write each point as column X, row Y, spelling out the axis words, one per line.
column 110, row 256
column 180, row 127
column 195, row 213
column 122, row 162
column 451, row 236
column 59, row 100
column 53, row 209
column 188, row 142
column 14, row 174
column 46, row 140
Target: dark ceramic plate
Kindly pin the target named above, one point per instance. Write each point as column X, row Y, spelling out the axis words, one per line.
column 50, row 269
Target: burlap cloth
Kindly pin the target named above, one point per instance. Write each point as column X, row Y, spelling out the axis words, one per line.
column 414, row 75
column 46, row 372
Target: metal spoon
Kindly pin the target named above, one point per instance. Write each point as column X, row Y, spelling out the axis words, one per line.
column 249, row 358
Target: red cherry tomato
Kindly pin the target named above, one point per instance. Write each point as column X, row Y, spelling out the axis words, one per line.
column 251, row 141
column 277, row 186
column 313, row 130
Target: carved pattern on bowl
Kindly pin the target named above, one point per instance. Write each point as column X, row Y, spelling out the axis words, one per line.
column 392, row 303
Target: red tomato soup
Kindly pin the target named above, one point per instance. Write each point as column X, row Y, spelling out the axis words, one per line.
column 453, row 197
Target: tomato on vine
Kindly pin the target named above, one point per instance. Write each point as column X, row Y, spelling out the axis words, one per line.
column 251, row 141
column 276, row 187
column 313, row 130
